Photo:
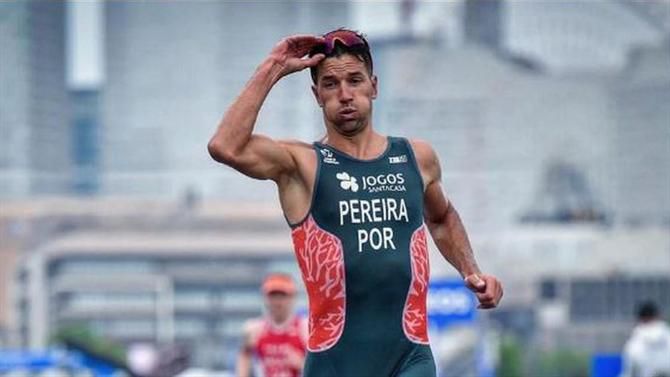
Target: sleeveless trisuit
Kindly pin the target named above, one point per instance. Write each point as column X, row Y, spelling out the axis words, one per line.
column 363, row 257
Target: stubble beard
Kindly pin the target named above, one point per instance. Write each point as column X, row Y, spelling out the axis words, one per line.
column 350, row 128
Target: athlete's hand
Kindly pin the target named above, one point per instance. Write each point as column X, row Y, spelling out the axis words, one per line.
column 487, row 288
column 290, row 53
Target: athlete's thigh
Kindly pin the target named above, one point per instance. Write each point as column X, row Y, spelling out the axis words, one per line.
column 420, row 363
column 318, row 365
column 423, row 368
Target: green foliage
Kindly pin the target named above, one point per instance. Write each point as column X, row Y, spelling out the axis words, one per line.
column 81, row 337
column 511, row 360
column 563, row 363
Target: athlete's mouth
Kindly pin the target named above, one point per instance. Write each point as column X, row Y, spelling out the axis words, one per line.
column 347, row 111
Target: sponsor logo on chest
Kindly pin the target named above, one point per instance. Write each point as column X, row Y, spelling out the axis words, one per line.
column 372, row 183
column 387, row 210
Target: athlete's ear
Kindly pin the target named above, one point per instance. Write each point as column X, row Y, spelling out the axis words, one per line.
column 374, row 86
column 315, row 91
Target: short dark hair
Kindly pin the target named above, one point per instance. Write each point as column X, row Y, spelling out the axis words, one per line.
column 339, row 49
column 647, row 310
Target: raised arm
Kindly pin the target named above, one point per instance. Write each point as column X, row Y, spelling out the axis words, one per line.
column 234, row 142
column 448, row 232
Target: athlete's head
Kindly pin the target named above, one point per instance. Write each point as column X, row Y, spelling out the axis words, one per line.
column 647, row 311
column 343, row 82
column 279, row 292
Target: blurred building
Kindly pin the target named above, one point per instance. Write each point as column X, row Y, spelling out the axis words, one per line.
column 569, row 36
column 161, row 274
column 596, row 314
column 550, row 119
column 85, row 141
column 518, row 144
column 172, row 69
column 34, row 108
column 639, row 100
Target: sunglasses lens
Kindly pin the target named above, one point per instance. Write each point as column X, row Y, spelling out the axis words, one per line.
column 347, row 38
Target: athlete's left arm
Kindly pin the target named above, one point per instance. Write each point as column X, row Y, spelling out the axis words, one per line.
column 448, row 232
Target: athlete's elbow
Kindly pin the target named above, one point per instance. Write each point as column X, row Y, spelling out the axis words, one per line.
column 221, row 152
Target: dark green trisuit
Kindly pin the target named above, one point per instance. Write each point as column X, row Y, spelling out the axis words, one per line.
column 363, row 257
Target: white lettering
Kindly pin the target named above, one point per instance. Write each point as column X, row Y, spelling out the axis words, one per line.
column 344, row 210
column 365, row 211
column 376, row 208
column 357, row 211
column 362, row 239
column 403, row 211
column 392, row 204
column 388, row 237
column 376, row 239
column 354, row 211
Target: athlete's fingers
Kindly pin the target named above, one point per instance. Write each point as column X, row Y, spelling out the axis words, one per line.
column 487, row 289
column 475, row 283
column 494, row 287
column 314, row 60
column 491, row 296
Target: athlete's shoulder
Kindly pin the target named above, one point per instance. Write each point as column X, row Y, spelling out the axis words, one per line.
column 427, row 160
column 424, row 152
column 421, row 146
column 253, row 326
column 295, row 144
column 298, row 148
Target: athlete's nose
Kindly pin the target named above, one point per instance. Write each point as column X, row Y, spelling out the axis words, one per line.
column 345, row 93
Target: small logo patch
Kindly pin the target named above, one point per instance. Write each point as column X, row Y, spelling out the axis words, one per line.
column 328, row 157
column 398, row 159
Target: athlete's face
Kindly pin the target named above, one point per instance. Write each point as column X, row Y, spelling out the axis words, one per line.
column 279, row 305
column 344, row 89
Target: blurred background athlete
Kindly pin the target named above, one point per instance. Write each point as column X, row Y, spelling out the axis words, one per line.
column 277, row 340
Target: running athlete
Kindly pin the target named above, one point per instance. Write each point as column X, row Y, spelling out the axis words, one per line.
column 278, row 339
column 359, row 204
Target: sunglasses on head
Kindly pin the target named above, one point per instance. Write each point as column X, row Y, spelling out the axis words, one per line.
column 347, row 38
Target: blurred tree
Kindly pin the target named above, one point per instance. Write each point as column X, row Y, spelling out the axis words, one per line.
column 82, row 338
column 562, row 363
column 511, row 363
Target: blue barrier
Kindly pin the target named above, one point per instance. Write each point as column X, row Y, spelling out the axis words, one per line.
column 450, row 302
column 39, row 361
column 606, row 365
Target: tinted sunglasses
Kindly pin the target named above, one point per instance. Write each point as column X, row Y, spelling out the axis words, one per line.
column 345, row 37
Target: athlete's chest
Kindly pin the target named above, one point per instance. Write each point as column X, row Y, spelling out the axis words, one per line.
column 366, row 193
column 272, row 342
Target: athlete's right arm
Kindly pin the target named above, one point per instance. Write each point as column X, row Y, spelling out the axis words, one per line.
column 244, row 358
column 234, row 142
column 250, row 331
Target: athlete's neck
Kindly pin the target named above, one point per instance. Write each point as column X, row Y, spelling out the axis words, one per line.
column 277, row 322
column 365, row 145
